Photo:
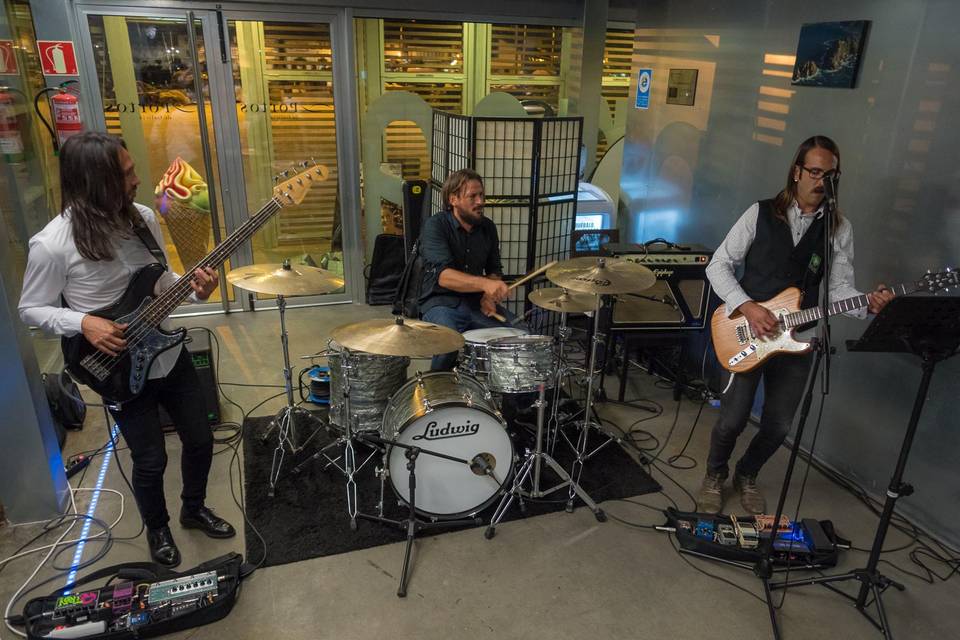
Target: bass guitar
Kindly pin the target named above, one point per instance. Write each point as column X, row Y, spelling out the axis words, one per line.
column 120, row 378
column 738, row 350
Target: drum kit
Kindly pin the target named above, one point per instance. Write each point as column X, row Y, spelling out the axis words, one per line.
column 444, row 431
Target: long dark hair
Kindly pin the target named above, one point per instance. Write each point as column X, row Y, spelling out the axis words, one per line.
column 786, row 197
column 93, row 190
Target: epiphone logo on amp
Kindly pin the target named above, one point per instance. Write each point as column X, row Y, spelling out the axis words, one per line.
column 433, row 432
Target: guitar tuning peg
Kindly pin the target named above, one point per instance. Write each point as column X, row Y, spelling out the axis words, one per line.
column 304, row 164
column 276, row 179
column 313, row 161
column 285, row 173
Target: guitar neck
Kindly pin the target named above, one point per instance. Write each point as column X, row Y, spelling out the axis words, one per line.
column 170, row 299
column 841, row 306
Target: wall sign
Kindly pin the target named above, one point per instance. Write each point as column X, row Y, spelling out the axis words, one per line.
column 644, row 81
column 57, row 58
column 682, row 86
column 8, row 58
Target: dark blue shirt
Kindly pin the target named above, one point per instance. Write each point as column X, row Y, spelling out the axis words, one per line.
column 444, row 243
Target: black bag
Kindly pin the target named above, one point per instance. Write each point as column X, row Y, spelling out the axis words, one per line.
column 160, row 620
column 406, row 302
column 66, row 405
column 385, row 268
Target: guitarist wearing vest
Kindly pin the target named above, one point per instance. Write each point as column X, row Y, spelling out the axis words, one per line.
column 777, row 243
column 86, row 256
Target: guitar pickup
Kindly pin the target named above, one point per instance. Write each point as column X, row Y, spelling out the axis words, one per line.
column 741, row 355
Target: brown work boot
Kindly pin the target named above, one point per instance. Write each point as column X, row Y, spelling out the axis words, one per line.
column 710, row 499
column 750, row 496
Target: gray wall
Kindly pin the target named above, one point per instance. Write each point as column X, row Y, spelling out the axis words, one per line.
column 689, row 172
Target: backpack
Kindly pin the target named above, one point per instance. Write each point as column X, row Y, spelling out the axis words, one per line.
column 66, row 405
column 385, row 268
column 406, row 302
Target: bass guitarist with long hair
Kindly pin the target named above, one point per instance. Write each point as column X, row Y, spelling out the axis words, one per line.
column 82, row 261
column 777, row 243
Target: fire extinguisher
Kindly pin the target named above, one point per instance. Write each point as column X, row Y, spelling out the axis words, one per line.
column 65, row 108
column 11, row 141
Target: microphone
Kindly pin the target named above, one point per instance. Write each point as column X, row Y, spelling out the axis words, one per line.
column 482, row 464
column 831, row 185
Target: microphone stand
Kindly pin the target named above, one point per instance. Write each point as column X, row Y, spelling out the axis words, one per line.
column 763, row 568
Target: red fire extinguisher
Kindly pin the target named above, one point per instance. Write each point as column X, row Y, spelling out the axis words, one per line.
column 65, row 108
column 11, row 142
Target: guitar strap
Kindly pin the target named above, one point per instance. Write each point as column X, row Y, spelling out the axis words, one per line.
column 151, row 244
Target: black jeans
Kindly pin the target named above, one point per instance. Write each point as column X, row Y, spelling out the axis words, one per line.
column 784, row 379
column 139, row 422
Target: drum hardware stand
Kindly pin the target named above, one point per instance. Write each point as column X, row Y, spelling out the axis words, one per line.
column 532, row 464
column 287, row 418
column 581, row 447
column 563, row 370
column 412, row 524
column 349, row 468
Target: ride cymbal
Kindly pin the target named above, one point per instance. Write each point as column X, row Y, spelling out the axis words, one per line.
column 398, row 337
column 601, row 276
column 285, row 279
column 557, row 299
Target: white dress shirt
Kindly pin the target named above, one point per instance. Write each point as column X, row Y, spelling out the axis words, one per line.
column 731, row 253
column 55, row 267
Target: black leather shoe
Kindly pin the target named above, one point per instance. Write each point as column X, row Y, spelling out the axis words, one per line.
column 208, row 522
column 162, row 547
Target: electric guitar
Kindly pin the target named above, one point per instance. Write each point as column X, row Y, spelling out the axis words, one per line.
column 121, row 378
column 738, row 350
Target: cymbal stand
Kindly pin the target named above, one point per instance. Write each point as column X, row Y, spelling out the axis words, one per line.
column 583, row 441
column 349, row 466
column 563, row 370
column 288, row 417
column 532, row 464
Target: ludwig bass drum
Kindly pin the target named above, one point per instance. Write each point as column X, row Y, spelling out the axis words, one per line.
column 446, row 413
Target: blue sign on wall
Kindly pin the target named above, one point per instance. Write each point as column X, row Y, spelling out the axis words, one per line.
column 644, row 80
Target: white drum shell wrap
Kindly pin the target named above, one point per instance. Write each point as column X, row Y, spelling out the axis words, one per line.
column 453, row 415
column 373, row 379
column 473, row 355
column 521, row 363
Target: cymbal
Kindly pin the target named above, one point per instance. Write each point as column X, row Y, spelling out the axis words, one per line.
column 398, row 337
column 557, row 299
column 601, row 275
column 285, row 279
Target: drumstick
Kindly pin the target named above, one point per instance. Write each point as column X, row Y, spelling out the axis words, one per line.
column 516, row 283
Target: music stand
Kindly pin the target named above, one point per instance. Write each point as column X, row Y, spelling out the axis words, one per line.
column 930, row 328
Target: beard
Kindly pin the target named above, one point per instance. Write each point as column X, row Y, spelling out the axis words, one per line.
column 472, row 217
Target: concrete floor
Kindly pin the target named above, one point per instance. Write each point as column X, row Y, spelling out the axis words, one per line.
column 555, row 576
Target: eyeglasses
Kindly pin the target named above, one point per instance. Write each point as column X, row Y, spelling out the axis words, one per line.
column 816, row 172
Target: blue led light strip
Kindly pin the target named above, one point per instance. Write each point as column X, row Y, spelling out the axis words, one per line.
column 92, row 509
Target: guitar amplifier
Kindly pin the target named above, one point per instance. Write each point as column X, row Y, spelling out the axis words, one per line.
column 680, row 297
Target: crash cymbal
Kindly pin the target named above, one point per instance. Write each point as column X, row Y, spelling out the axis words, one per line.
column 398, row 337
column 601, row 275
column 285, row 279
column 556, row 299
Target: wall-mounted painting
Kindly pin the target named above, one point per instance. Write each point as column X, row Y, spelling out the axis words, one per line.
column 828, row 54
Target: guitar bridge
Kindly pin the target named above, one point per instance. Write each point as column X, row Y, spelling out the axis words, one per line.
column 96, row 369
column 742, row 337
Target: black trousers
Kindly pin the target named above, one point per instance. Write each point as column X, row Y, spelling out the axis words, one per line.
column 139, row 422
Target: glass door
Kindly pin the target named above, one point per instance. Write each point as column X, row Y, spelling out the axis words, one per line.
column 213, row 116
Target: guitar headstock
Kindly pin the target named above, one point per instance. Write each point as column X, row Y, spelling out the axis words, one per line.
column 294, row 188
column 935, row 282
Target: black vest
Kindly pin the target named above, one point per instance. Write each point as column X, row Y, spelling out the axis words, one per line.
column 772, row 263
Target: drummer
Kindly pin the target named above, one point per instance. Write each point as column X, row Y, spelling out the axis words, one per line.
column 462, row 283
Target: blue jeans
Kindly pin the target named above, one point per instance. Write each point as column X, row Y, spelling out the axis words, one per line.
column 460, row 318
column 784, row 379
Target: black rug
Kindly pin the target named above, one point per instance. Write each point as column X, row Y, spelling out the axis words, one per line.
column 308, row 516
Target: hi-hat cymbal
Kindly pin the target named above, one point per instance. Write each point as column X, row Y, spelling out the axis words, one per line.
column 556, row 299
column 601, row 275
column 398, row 337
column 285, row 279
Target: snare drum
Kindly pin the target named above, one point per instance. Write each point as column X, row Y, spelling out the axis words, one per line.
column 450, row 414
column 373, row 379
column 521, row 363
column 473, row 355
